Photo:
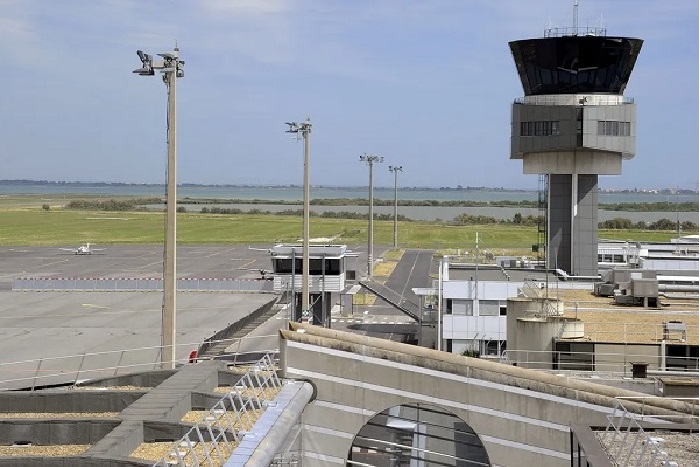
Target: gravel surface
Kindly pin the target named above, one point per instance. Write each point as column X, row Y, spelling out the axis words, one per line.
column 248, row 393
column 681, row 447
column 109, row 388
column 57, row 450
column 156, row 451
column 197, row 416
column 613, row 323
column 91, row 415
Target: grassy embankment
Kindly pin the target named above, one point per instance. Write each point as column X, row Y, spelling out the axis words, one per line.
column 23, row 222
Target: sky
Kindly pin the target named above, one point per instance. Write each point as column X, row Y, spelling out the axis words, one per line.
column 425, row 84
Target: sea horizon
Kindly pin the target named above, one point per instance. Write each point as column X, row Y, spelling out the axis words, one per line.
column 296, row 192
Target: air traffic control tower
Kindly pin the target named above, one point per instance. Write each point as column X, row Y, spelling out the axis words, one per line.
column 572, row 126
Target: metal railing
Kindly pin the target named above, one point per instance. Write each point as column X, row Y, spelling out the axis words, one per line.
column 634, row 333
column 574, row 31
column 227, row 421
column 630, row 444
column 612, row 364
column 72, row 369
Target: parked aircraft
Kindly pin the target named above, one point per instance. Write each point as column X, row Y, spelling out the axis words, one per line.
column 83, row 249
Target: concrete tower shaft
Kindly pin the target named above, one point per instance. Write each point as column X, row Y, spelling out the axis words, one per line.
column 573, row 125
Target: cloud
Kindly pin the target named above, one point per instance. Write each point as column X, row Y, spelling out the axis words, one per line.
column 18, row 34
column 248, row 8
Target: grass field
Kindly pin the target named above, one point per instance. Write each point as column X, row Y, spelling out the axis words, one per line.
column 32, row 226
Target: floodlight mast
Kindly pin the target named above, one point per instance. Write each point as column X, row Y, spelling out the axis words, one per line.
column 396, row 169
column 172, row 68
column 305, row 130
column 370, row 161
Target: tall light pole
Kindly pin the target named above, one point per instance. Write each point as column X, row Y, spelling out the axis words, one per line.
column 305, row 130
column 172, row 68
column 396, row 169
column 370, row 160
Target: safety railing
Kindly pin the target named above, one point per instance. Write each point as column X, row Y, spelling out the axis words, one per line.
column 628, row 444
column 609, row 363
column 227, row 421
column 72, row 369
column 635, row 333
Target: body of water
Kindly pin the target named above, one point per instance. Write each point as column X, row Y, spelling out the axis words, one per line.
column 297, row 193
column 444, row 213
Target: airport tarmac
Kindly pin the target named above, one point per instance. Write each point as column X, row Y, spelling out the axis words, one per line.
column 48, row 324
column 36, row 325
column 139, row 261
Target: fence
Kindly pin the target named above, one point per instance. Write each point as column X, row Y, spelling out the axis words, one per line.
column 131, row 284
column 228, row 420
column 612, row 364
column 72, row 369
column 628, row 444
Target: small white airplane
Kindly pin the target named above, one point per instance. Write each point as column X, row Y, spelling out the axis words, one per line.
column 83, row 249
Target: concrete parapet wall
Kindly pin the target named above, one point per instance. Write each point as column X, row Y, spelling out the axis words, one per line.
column 522, row 416
column 120, row 442
column 230, row 330
column 67, row 401
column 146, row 379
column 55, row 431
column 68, row 461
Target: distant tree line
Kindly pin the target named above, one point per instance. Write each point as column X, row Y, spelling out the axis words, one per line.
column 661, row 224
column 113, row 204
column 460, row 220
column 663, row 206
column 300, row 212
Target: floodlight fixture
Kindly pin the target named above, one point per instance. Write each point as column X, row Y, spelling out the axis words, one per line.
column 171, row 68
column 396, row 169
column 304, row 130
column 370, row 160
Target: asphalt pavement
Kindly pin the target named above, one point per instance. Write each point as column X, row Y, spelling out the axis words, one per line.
column 53, row 325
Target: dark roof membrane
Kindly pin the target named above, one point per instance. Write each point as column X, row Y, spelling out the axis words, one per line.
column 575, row 64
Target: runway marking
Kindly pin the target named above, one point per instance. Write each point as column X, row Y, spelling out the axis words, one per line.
column 55, row 262
column 109, row 218
column 143, row 267
column 246, row 264
column 213, row 254
column 92, row 305
column 104, row 312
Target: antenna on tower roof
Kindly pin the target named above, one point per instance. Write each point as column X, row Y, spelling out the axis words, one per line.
column 601, row 22
column 575, row 16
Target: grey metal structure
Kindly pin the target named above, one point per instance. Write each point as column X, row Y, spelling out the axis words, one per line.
column 172, row 68
column 305, row 130
column 573, row 125
column 370, row 161
column 395, row 169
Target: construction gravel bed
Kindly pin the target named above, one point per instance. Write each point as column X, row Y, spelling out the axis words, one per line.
column 109, row 388
column 52, row 451
column 680, row 447
column 243, row 369
column 605, row 321
column 157, row 451
column 197, row 416
column 55, row 415
column 248, row 393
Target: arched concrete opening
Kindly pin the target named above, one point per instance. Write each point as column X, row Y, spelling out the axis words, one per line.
column 417, row 434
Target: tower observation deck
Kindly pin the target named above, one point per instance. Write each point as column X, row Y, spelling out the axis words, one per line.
column 572, row 126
